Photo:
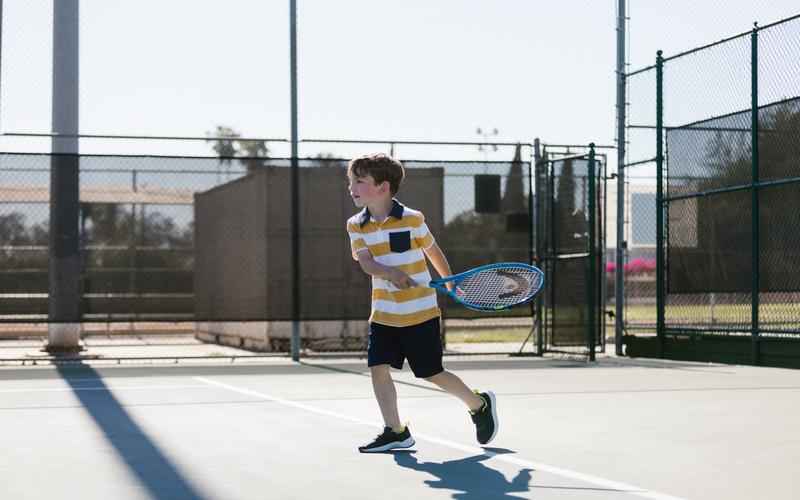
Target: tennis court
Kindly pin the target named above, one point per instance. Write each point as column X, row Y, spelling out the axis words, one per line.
column 272, row 428
column 181, row 316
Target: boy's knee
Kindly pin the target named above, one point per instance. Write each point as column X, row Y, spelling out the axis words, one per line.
column 381, row 372
column 434, row 378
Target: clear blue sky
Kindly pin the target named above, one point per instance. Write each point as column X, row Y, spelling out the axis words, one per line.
column 414, row 69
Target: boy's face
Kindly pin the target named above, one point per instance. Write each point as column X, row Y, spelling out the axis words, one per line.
column 365, row 192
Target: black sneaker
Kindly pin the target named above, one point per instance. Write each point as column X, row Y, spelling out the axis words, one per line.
column 485, row 419
column 389, row 440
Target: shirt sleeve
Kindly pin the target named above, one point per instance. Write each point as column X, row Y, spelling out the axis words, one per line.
column 357, row 242
column 423, row 236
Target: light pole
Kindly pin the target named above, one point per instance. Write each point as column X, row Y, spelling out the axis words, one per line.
column 295, row 186
column 485, row 134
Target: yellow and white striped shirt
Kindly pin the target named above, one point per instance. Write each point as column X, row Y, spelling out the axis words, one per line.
column 398, row 241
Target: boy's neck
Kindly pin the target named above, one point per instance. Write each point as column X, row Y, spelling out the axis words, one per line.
column 380, row 210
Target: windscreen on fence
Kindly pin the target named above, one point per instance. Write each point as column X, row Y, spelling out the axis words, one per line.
column 567, row 212
column 209, row 239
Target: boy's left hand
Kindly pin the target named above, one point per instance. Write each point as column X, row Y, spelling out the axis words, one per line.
column 401, row 280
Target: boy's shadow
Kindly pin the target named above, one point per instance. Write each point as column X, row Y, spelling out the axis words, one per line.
column 471, row 479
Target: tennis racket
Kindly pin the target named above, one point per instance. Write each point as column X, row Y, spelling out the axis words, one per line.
column 493, row 287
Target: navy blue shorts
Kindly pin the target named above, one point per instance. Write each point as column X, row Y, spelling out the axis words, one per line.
column 421, row 344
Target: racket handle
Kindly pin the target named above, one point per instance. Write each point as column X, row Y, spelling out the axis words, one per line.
column 438, row 284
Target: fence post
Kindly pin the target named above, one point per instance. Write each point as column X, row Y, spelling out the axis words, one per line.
column 539, row 226
column 592, row 281
column 296, row 341
column 619, row 276
column 754, row 210
column 660, row 202
column 64, row 282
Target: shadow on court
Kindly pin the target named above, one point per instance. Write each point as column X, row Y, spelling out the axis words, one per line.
column 146, row 462
column 468, row 477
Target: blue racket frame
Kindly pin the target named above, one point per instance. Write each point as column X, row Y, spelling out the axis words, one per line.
column 441, row 284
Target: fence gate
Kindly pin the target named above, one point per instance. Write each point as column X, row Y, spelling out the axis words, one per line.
column 570, row 244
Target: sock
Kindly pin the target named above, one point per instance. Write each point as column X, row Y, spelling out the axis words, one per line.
column 399, row 430
column 483, row 405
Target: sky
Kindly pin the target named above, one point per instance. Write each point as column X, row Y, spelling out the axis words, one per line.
column 379, row 69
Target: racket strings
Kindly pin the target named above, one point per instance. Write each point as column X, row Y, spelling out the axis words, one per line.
column 500, row 287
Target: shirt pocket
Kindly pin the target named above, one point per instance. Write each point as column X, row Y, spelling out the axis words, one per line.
column 400, row 242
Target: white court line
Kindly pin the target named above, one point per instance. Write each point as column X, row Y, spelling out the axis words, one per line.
column 599, row 481
column 108, row 388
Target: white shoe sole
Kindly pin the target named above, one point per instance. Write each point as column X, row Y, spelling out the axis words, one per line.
column 494, row 416
column 408, row 443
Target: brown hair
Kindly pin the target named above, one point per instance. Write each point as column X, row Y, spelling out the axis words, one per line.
column 381, row 167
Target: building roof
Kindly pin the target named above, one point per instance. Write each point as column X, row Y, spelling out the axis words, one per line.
column 101, row 194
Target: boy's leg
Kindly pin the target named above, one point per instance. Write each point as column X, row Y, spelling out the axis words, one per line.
column 452, row 384
column 386, row 395
column 394, row 434
column 423, row 348
column 482, row 407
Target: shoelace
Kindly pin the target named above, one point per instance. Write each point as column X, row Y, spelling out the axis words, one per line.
column 386, row 432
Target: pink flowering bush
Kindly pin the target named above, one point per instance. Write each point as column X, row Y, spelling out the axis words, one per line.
column 636, row 266
column 640, row 266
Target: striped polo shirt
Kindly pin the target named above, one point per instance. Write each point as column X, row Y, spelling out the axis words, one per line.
column 398, row 241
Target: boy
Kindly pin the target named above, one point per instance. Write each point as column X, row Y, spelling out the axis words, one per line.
column 390, row 243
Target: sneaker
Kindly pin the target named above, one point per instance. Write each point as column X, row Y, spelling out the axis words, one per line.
column 389, row 440
column 485, row 419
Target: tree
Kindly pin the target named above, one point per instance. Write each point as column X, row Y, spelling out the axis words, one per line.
column 514, row 198
column 224, row 142
column 570, row 221
column 328, row 160
column 13, row 230
column 718, row 256
column 15, row 233
column 106, row 223
column 228, row 144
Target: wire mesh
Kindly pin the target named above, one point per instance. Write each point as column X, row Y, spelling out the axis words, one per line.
column 712, row 226
column 206, row 239
column 779, row 148
column 640, row 205
column 566, row 244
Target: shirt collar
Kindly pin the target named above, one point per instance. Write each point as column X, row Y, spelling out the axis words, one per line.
column 396, row 212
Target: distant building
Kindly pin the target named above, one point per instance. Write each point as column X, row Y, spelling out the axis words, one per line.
column 640, row 216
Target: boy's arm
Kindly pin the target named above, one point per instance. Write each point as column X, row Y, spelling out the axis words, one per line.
column 439, row 261
column 373, row 268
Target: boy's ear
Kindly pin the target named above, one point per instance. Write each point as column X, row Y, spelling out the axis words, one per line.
column 384, row 186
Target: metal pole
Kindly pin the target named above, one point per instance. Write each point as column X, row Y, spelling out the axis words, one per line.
column 755, row 275
column 295, row 342
column 551, row 250
column 592, row 281
column 660, row 203
column 64, row 263
column 539, row 238
column 619, row 276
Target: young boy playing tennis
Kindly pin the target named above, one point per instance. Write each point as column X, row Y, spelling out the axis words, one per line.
column 390, row 242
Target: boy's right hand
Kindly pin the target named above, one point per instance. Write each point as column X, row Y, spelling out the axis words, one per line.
column 401, row 280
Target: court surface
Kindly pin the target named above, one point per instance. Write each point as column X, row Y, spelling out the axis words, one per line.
column 270, row 428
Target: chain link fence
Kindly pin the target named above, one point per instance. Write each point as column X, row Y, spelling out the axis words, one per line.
column 206, row 240
column 725, row 134
column 571, row 245
column 640, row 206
